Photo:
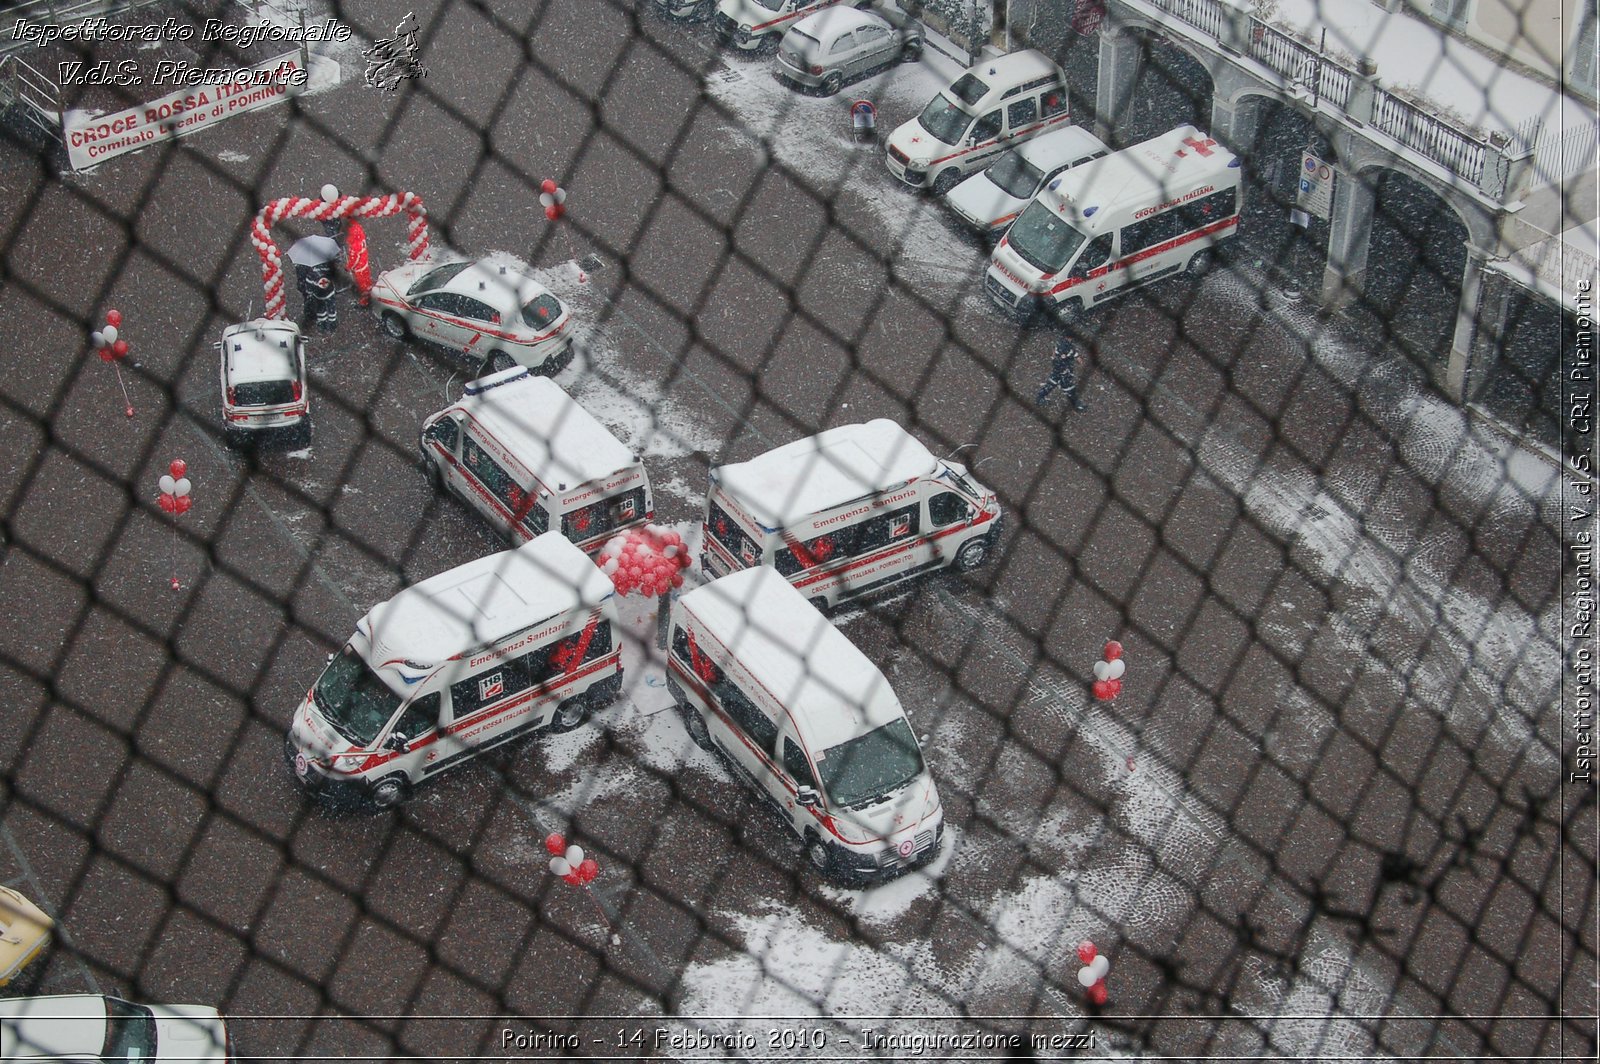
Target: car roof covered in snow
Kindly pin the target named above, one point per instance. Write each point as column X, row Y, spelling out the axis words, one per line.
column 545, row 429
column 1058, row 146
column 821, row 472
column 828, row 23
column 832, row 692
column 480, row 603
column 506, row 284
column 261, row 350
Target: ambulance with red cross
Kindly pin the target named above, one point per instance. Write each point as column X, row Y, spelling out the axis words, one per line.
column 456, row 665
column 807, row 720
column 990, row 109
column 522, row 452
column 848, row 511
column 1150, row 211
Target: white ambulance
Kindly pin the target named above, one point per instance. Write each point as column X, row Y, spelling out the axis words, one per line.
column 848, row 511
column 807, row 720
column 996, row 105
column 457, row 665
column 524, row 454
column 1132, row 217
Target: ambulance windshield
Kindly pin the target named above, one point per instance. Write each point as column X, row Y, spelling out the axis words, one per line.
column 1016, row 176
column 944, row 120
column 1043, row 237
column 352, row 698
column 871, row 766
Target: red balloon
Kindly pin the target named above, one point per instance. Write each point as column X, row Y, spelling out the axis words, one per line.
column 120, row 349
column 1102, row 690
column 573, row 878
column 1113, row 650
column 1087, row 952
column 555, row 843
column 1116, row 687
column 677, row 580
column 184, row 502
column 114, row 318
column 548, row 185
column 169, row 503
column 588, row 869
column 554, row 212
column 1097, row 993
column 178, row 468
column 106, row 355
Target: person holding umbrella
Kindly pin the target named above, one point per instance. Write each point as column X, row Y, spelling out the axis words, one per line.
column 314, row 258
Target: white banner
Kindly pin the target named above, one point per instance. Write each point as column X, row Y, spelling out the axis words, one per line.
column 91, row 141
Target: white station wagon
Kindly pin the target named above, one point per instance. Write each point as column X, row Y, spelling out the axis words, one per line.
column 491, row 310
column 991, row 200
column 263, row 370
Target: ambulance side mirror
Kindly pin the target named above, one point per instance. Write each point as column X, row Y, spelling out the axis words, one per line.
column 396, row 742
column 808, row 797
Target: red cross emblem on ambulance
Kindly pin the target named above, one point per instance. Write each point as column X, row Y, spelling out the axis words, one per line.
column 1201, row 147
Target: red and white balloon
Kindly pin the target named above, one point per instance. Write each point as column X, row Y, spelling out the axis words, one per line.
column 649, row 559
column 175, row 488
column 1108, row 673
column 570, row 862
column 111, row 347
column 553, row 198
column 1092, row 976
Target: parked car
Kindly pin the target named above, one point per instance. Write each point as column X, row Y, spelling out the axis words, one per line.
column 92, row 1027
column 491, row 310
column 24, row 933
column 839, row 44
column 991, row 200
column 757, row 25
column 687, row 10
column 263, row 369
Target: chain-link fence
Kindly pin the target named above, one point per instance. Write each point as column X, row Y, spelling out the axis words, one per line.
column 1200, row 500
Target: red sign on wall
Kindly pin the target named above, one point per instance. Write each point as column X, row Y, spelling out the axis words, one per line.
column 1087, row 15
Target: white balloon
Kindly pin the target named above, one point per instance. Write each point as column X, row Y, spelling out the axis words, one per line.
column 110, row 334
column 1115, row 669
column 330, row 193
column 559, row 866
column 545, row 200
column 1100, row 966
column 1087, row 977
column 182, row 486
column 167, row 484
column 561, row 195
column 574, row 856
column 1102, row 670
column 97, row 339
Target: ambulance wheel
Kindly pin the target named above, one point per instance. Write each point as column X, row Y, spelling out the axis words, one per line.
column 911, row 52
column 820, row 854
column 820, row 604
column 695, row 725
column 497, row 361
column 1199, row 263
column 300, row 437
column 570, row 715
column 430, row 469
column 832, row 84
column 947, row 180
column 390, row 791
column 973, row 554
column 396, row 326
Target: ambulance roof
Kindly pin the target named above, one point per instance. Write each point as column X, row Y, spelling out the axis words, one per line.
column 558, row 441
column 1007, row 70
column 832, row 692
column 261, row 350
column 821, row 472
column 479, row 603
column 1172, row 163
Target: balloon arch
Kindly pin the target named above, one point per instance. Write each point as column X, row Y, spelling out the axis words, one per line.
column 328, row 210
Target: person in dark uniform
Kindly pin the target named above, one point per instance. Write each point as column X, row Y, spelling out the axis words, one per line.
column 1063, row 375
column 315, row 259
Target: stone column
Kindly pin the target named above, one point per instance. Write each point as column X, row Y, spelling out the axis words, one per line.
column 1463, row 378
column 1120, row 53
column 1349, row 238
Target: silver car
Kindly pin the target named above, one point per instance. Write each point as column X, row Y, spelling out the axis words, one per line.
column 839, row 44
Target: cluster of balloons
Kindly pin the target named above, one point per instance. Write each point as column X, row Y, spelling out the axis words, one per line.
column 107, row 343
column 553, row 198
column 1092, row 976
column 175, row 487
column 569, row 862
column 1108, row 673
column 648, row 559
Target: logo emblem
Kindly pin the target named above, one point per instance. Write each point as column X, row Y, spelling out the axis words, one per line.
column 302, row 767
column 906, row 846
column 491, row 687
